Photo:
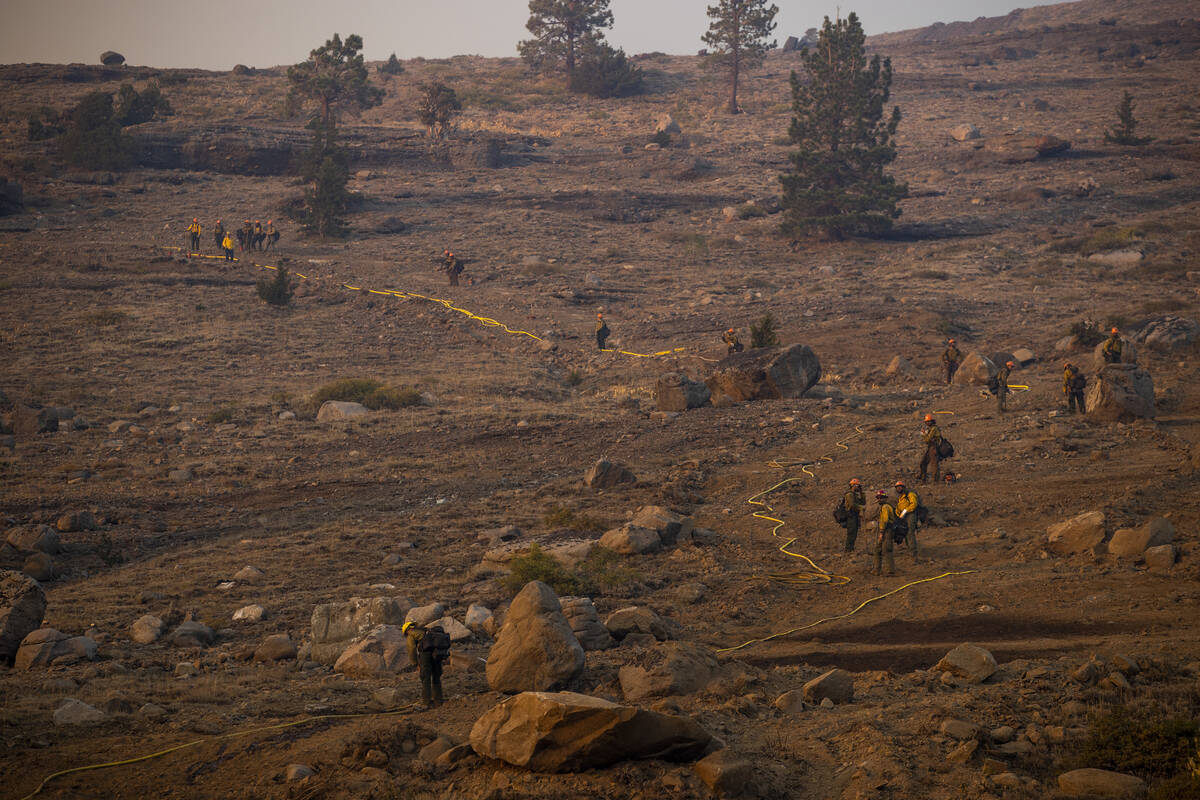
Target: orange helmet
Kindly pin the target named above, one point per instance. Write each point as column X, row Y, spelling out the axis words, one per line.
column 855, row 482
column 730, row 330
column 270, row 222
column 950, row 341
column 1114, row 330
column 599, row 314
column 218, row 220
column 1009, row 364
column 929, row 417
column 196, row 220
column 899, row 484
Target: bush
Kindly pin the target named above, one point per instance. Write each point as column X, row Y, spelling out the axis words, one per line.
column 371, row 393
column 536, row 565
column 1126, row 130
column 134, row 108
column 762, row 333
column 606, row 72
column 604, row 571
column 1141, row 742
column 93, row 139
column 221, row 415
column 106, row 317
column 750, row 211
column 1087, row 332
column 563, row 517
column 392, row 66
column 325, row 198
column 44, row 124
column 278, row 290
column 437, row 107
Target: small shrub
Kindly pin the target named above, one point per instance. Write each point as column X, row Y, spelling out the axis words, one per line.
column 106, row 317
column 750, row 211
column 563, row 517
column 1109, row 239
column 392, row 66
column 391, row 399
column 108, row 552
column 44, row 124
column 762, row 333
column 134, row 107
column 931, row 274
column 278, row 290
column 1141, row 742
column 574, row 378
column 1087, row 332
column 536, row 565
column 1165, row 305
column 604, row 571
column 221, row 415
column 661, row 138
column 173, row 77
column 1126, row 130
column 371, row 393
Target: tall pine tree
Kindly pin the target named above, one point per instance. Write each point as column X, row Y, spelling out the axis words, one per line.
column 836, row 185
column 738, row 36
column 559, row 28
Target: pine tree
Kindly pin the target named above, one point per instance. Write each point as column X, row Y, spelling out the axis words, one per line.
column 1126, row 131
column 738, row 36
column 605, row 71
column 836, row 185
column 437, row 107
column 560, row 28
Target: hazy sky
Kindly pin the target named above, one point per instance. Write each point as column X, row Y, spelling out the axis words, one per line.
column 217, row 34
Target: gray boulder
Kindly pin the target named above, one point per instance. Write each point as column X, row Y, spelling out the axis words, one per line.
column 638, row 619
column 727, row 774
column 669, row 526
column 1082, row 533
column 111, row 58
column 965, row 132
column 568, row 732
column 837, row 685
column 1168, row 333
column 1120, row 393
column 47, row 647
column 630, row 539
column 969, row 662
column 672, row 668
column 1161, row 557
column 277, row 647
column 535, row 648
column 677, row 392
column 22, row 608
column 1096, row 783
column 765, row 373
column 976, row 369
column 192, row 634
column 382, row 651
column 585, row 623
column 1132, row 542
column 667, row 124
column 425, row 615
column 332, row 410
column 146, row 629
column 478, row 618
column 604, row 474
column 336, row 625
column 76, row 712
column 40, row 538
column 40, row 567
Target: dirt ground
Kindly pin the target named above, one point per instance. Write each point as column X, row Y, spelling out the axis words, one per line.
column 98, row 316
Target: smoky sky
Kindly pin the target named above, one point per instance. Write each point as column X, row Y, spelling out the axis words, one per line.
column 217, row 34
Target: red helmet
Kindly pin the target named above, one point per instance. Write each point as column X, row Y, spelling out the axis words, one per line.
column 881, row 495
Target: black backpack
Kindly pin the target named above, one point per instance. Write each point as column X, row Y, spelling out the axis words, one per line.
column 437, row 642
column 945, row 449
column 993, row 384
column 841, row 515
column 899, row 530
column 1079, row 382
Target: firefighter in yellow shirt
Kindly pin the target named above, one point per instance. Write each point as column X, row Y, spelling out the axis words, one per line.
column 883, row 542
column 907, row 504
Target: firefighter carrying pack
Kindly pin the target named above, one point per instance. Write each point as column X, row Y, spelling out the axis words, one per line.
column 435, row 642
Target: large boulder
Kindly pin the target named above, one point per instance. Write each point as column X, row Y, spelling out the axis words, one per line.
column 277, row 647
column 192, row 634
column 726, row 773
column 669, row 526
column 970, row 662
column 146, row 629
column 47, row 647
column 677, row 392
column 1017, row 149
column 1168, row 333
column 673, row 668
column 338, row 409
column 336, row 625
column 1120, row 393
column 1096, row 783
column 567, row 732
column 975, row 370
column 111, row 58
column 604, row 474
column 630, row 539
column 965, row 132
column 425, row 615
column 638, row 619
column 30, row 538
column 585, row 623
column 22, row 607
column 1132, row 542
column 1082, row 533
column 765, row 373
column 536, row 650
column 1129, row 354
column 837, row 685
column 382, row 651
column 76, row 712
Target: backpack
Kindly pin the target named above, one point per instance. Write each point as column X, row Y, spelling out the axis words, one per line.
column 841, row 515
column 993, row 384
column 1079, row 382
column 945, row 449
column 899, row 530
column 437, row 642
column 922, row 513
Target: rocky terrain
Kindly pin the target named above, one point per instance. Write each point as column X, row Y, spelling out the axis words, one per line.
column 199, row 555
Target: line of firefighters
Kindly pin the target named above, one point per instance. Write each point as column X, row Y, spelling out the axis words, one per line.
column 251, row 236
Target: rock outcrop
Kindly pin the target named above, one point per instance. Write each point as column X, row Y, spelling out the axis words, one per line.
column 976, row 369
column 1133, row 542
column 674, row 668
column 638, row 619
column 47, row 647
column 677, row 392
column 335, row 626
column 585, row 623
column 1129, row 354
column 1120, row 393
column 604, row 474
column 837, row 685
column 1168, row 333
column 567, row 732
column 535, row 650
column 765, row 373
column 22, row 608
column 332, row 410
column 970, row 662
column 381, row 651
column 1082, row 533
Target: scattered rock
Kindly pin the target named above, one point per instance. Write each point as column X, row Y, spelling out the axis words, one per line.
column 1132, row 542
column 638, row 619
column 836, row 685
column 276, row 647
column 535, row 648
column 1161, row 557
column 39, row 566
column 498, row 536
column 252, row 613
column 1129, row 355
column 111, row 58
column 957, row 729
column 667, row 124
column 725, row 773
column 22, row 608
column 585, row 623
column 336, row 625
column 434, row 750
column 297, row 772
column 77, row 712
column 1168, row 333
column 630, row 539
column 186, row 669
column 669, row 526
column 1120, row 393
column 146, row 629
column 192, row 634
column 791, row 702
column 31, row 538
column 1100, row 783
column 674, row 668
column 248, row 574
column 604, row 474
column 568, row 732
column 1083, row 533
column 180, row 475
column 77, row 521
column 765, row 373
column 969, row 662
column 332, row 410
column 899, row 365
column 454, row 629
column 1024, row 356
column 382, row 651
column 477, row 618
column 677, row 392
column 152, row 711
column 47, row 647
column 425, row 615
column 965, row 132
column 976, row 369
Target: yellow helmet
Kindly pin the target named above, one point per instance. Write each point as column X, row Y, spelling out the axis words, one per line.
column 404, row 628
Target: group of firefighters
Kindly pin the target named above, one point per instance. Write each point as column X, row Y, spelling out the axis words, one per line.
column 250, row 236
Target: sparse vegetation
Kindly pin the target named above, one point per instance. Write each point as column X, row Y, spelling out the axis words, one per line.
column 106, row 317
column 1154, row 743
column 373, row 394
column 762, row 333
column 277, row 290
column 561, row 517
column 221, row 415
column 93, row 138
column 134, row 107
column 602, row 571
column 738, row 38
column 392, row 66
column 436, row 109
column 1126, row 131
column 560, row 28
column 837, row 185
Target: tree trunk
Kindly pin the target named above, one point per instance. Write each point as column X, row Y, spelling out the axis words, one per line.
column 570, row 53
column 735, row 54
column 733, row 105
